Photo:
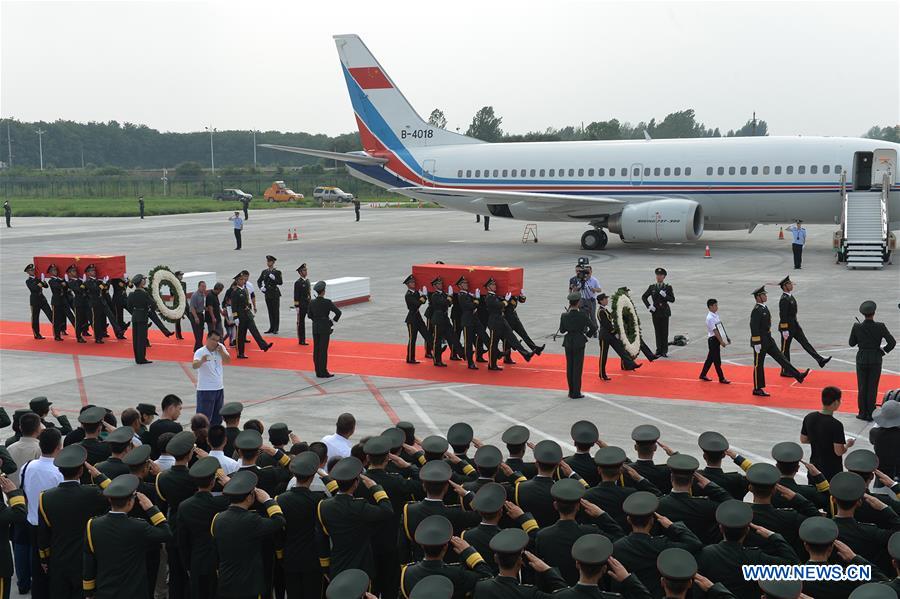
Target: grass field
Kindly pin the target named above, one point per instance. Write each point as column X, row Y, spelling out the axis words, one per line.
column 152, row 206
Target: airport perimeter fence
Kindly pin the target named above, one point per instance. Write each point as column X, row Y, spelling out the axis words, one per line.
column 134, row 185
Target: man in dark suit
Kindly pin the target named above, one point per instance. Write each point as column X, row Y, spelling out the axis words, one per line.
column 268, row 282
column 657, row 299
column 320, row 311
column 302, row 297
column 868, row 335
column 577, row 327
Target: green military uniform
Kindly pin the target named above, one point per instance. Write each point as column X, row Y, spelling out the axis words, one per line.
column 174, row 486
column 790, row 328
column 785, row 521
column 868, row 540
column 585, row 435
column 41, row 405
column 349, row 584
column 659, row 296
column 577, row 327
column 243, row 309
column 867, row 336
column 97, row 450
column 238, row 537
column 679, row 565
column 823, row 532
column 320, row 310
column 658, row 474
column 269, row 282
column 788, row 455
column 762, row 343
column 511, row 542
column 415, row 326
column 638, row 551
column 302, row 297
column 80, row 304
column 36, row 301
column 489, row 501
column 115, row 546
column 12, row 512
column 271, row 479
column 595, row 550
column 59, row 306
column 714, row 446
column 610, row 495
column 140, row 304
column 534, row 495
column 232, row 408
column 697, row 513
column 195, row 543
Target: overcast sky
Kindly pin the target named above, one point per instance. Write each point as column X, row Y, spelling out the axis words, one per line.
column 811, row 68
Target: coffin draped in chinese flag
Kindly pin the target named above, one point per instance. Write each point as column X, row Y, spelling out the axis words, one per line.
column 107, row 266
column 509, row 278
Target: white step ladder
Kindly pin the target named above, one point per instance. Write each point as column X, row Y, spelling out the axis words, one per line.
column 865, row 228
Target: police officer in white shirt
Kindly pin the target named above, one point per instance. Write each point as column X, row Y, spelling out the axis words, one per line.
column 716, row 341
column 339, row 443
column 798, row 234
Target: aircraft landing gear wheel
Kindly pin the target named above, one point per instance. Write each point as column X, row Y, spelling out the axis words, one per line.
column 595, row 239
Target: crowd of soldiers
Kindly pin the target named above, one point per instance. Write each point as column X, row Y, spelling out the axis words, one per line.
column 115, row 511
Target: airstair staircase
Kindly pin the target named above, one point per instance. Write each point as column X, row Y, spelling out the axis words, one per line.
column 865, row 234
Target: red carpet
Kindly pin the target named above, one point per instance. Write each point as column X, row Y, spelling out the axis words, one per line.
column 663, row 378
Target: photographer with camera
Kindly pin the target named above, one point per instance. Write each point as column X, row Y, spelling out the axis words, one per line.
column 585, row 284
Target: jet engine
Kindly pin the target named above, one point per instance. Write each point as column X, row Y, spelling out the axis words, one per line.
column 667, row 221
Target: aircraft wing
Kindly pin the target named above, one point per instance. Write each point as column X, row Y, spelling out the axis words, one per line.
column 355, row 158
column 509, row 196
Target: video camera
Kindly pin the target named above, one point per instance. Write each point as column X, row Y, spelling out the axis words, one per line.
column 583, row 269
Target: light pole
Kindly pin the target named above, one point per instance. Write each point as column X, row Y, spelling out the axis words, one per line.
column 254, row 148
column 212, row 154
column 40, row 134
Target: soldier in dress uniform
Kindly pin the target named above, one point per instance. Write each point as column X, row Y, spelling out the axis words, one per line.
column 269, row 282
column 864, row 462
column 41, row 406
column 788, row 456
column 80, row 303
column 577, row 327
column 786, row 521
column 593, row 555
column 349, row 584
column 722, row 562
column 657, row 299
column 139, row 464
column 140, row 304
column 195, row 515
column 678, row 571
column 715, row 447
column 302, row 297
column 515, row 324
column 516, row 439
column 64, row 512
column 174, row 486
column 37, row 301
column 472, row 329
column 491, row 501
column 608, row 339
column 96, row 289
column 894, row 551
column 441, row 327
column 576, row 519
column 762, row 343
column 13, row 512
column 820, row 539
column 499, row 329
column 509, row 552
column 867, row 336
column 534, row 496
column 115, row 543
column 790, row 329
column 120, row 287
column 241, row 304
column 141, row 206
column 320, row 310
column 489, row 464
column 435, row 536
column 693, row 504
column 868, row 540
column 58, row 304
column 231, row 416
column 119, row 442
column 414, row 324
column 617, row 481
column 646, row 440
column 584, row 435
column 90, row 420
column 239, row 534
column 7, row 213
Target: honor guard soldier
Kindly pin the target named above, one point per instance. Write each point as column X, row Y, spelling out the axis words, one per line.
column 13, row 513
column 94, row 292
column 867, row 336
column 678, row 573
column 585, row 436
column 864, row 462
column 868, row 540
column 58, row 305
column 657, row 299
column 608, row 339
column 489, row 464
column 241, row 304
column 37, row 301
column 788, row 456
column 534, row 496
column 80, row 303
column 577, row 327
column 140, row 304
column 174, row 486
column 473, row 331
column 593, row 555
column 195, row 515
column 790, row 329
column 414, row 324
column 554, row 542
column 490, row 501
column 119, row 442
column 762, row 343
column 516, row 439
column 115, row 544
column 64, row 512
column 646, row 440
column 300, row 560
column 681, row 505
column 509, row 552
column 612, row 490
column 435, row 536
column 820, row 539
column 349, row 584
column 239, row 534
column 140, row 465
column 269, row 283
column 639, row 550
column 231, row 416
column 441, row 327
column 41, row 406
column 302, row 297
column 763, row 479
column 499, row 329
column 90, row 420
column 459, row 437
column 120, row 287
column 515, row 324
column 722, row 562
column 271, row 479
column 320, row 310
column 346, row 525
column 715, row 447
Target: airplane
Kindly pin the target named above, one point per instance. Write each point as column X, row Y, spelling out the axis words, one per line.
column 649, row 190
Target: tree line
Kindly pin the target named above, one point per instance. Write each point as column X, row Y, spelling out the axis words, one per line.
column 105, row 147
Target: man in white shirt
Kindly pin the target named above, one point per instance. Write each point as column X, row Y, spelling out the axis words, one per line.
column 37, row 476
column 217, row 440
column 715, row 342
column 26, row 448
column 165, row 460
column 339, row 443
column 209, row 363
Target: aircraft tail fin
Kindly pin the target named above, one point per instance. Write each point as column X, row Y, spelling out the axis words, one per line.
column 385, row 118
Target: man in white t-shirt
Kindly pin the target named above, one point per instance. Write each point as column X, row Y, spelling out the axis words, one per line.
column 715, row 341
column 339, row 443
column 209, row 363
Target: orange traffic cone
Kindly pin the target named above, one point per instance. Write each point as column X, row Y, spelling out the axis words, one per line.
column 706, row 254
column 295, row 234
column 781, row 233
column 289, row 235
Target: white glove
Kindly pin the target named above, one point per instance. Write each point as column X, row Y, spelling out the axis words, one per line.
column 42, row 276
column 272, row 276
column 507, row 296
column 652, row 308
column 450, row 289
column 522, row 292
column 662, row 292
column 424, row 290
column 477, row 292
column 106, row 279
column 66, row 276
column 785, row 334
column 756, row 348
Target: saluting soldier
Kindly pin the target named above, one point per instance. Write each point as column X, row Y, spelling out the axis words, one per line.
column 762, row 343
column 115, row 544
column 509, row 551
column 868, row 540
column 41, row 406
column 678, row 571
column 786, row 521
column 577, row 327
column 534, row 496
column 864, row 462
column 789, row 327
column 140, row 304
column 657, row 299
column 320, row 310
column 231, row 416
column 894, row 551
column 414, row 324
column 13, row 512
column 593, row 555
column 584, row 435
column 868, row 335
column 139, row 464
column 37, row 301
column 492, row 503
column 119, row 442
column 516, row 439
column 646, row 440
column 272, row 479
column 241, row 304
column 195, row 516
column 820, row 539
column 349, row 584
column 788, row 456
column 715, row 447
column 300, row 560
column 608, row 339
column 681, row 504
column 639, row 550
column 58, row 305
column 302, row 297
column 614, row 486
column 269, row 283
column 174, row 486
column 97, row 451
column 239, row 534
